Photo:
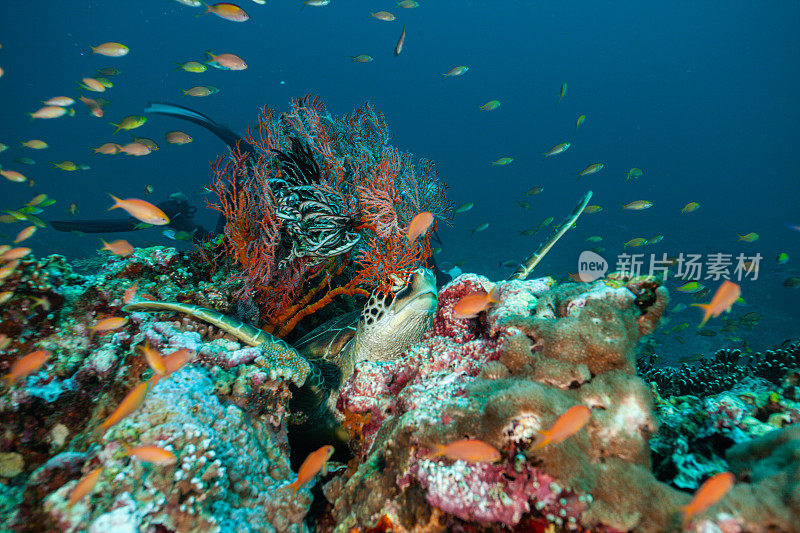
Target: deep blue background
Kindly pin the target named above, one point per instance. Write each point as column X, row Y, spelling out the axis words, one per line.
column 703, row 96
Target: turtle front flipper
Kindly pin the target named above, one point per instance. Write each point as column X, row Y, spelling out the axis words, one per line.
column 277, row 355
column 311, row 399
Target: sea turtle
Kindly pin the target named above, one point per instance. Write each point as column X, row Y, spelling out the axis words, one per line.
column 388, row 324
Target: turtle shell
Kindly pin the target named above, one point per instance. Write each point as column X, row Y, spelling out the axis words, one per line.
column 328, row 341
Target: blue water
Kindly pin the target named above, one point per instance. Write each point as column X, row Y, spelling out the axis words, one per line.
column 701, row 96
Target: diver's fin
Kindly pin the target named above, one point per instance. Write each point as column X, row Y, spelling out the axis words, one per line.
column 112, row 225
column 227, row 135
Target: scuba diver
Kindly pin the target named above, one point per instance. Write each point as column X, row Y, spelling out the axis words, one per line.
column 177, row 207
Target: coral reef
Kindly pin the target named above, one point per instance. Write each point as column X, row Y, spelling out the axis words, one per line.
column 722, row 370
column 229, row 472
column 697, row 431
column 51, row 418
column 501, row 378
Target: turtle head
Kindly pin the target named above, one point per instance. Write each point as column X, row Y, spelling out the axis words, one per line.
column 393, row 320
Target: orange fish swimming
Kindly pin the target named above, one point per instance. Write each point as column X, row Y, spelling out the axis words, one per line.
column 52, row 111
column 315, row 462
column 227, row 11
column 723, row 299
column 154, row 359
column 567, row 425
column 419, row 225
column 108, row 149
column 25, row 234
column 84, row 486
column 91, row 84
column 473, row 304
column 110, row 49
column 141, row 210
column 94, row 107
column 8, row 269
column 707, row 495
column 108, row 324
column 177, row 360
column 135, row 148
column 15, row 253
column 227, row 61
column 152, row 454
column 26, row 365
column 469, row 450
column 120, row 247
column 128, row 405
column 13, row 175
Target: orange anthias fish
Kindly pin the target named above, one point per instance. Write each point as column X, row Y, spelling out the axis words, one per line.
column 129, row 404
column 135, row 149
column 419, row 225
column 567, row 425
column 152, row 454
column 15, row 253
column 141, row 210
column 227, row 11
column 154, row 359
column 108, row 324
column 473, row 304
column 723, row 299
column 25, row 234
column 469, row 450
column 94, row 107
column 108, row 149
column 315, row 462
column 84, row 486
column 120, row 247
column 26, row 365
column 110, row 49
column 707, row 495
column 177, row 360
column 227, row 61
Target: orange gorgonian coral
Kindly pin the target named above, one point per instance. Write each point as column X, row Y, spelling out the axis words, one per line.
column 317, row 206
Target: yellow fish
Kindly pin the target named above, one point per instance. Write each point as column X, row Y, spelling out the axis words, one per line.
column 691, row 206
column 130, row 122
column 557, row 149
column 591, row 169
column 638, row 205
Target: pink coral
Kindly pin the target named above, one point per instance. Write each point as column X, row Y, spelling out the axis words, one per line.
column 488, row 493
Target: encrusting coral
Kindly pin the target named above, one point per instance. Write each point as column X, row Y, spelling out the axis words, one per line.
column 501, row 378
column 230, row 468
column 566, row 346
column 51, row 419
